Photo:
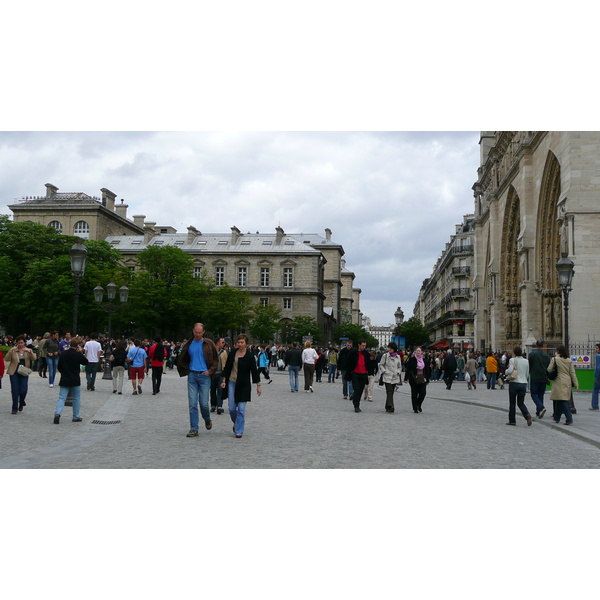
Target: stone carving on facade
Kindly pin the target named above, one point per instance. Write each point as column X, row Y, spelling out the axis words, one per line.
column 557, row 317
column 508, row 323
column 548, row 329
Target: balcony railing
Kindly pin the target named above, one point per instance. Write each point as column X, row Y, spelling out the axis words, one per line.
column 461, row 270
column 467, row 249
column 452, row 315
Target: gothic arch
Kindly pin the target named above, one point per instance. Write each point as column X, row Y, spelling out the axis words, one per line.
column 509, row 273
column 548, row 250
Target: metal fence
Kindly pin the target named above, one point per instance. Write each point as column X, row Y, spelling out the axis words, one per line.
column 583, row 354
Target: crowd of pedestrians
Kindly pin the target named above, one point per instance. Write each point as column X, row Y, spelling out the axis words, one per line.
column 218, row 372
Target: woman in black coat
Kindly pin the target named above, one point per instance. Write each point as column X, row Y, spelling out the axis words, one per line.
column 239, row 369
column 418, row 374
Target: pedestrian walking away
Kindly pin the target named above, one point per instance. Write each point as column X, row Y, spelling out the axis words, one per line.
column 471, row 373
column 293, row 361
column 449, row 368
column 309, row 358
column 117, row 363
column 137, row 359
column 264, row 361
column 157, row 354
column 342, row 362
column 418, row 374
column 562, row 386
column 239, row 374
column 517, row 373
column 69, row 367
column 93, row 352
column 198, row 360
column 538, row 376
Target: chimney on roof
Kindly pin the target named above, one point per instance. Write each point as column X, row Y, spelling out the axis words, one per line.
column 108, row 199
column 149, row 231
column 328, row 234
column 235, row 235
column 139, row 220
column 193, row 233
column 51, row 190
column 121, row 209
column 279, row 235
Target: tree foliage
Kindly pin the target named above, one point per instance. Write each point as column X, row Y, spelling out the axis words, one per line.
column 35, row 272
column 355, row 333
column 413, row 331
column 301, row 326
column 265, row 322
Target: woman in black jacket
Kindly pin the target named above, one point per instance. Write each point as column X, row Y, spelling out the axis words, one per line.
column 239, row 369
column 418, row 373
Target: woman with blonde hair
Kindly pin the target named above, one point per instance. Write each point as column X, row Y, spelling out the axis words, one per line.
column 309, row 358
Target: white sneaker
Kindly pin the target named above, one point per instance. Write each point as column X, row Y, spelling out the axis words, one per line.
column 51, row 385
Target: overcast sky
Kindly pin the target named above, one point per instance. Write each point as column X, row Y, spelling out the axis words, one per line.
column 391, row 199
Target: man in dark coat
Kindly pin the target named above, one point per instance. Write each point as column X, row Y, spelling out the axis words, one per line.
column 342, row 367
column 293, row 361
column 357, row 371
column 69, row 363
column 449, row 368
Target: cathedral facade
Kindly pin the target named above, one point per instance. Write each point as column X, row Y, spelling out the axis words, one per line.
column 537, row 199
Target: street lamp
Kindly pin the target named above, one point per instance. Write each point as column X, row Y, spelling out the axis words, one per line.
column 78, row 254
column 565, row 270
column 110, row 308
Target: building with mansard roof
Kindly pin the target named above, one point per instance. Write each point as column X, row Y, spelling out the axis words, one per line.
column 303, row 274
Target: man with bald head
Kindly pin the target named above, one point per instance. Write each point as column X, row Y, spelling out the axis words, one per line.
column 198, row 360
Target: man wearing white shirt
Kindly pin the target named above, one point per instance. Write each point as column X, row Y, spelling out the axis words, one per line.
column 93, row 352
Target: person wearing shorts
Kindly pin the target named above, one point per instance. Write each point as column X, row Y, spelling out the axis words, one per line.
column 136, row 357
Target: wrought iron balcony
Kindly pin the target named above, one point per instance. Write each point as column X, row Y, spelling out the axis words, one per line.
column 461, row 270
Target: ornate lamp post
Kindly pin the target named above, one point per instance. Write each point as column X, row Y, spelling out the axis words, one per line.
column 78, row 254
column 565, row 270
column 110, row 308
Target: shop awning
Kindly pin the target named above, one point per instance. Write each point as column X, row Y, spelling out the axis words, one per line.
column 439, row 345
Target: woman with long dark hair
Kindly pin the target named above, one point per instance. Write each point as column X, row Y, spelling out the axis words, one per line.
column 517, row 386
column 390, row 370
column 418, row 374
column 239, row 374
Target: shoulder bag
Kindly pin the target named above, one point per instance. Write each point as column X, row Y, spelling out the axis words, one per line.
column 552, row 375
column 23, row 370
column 515, row 373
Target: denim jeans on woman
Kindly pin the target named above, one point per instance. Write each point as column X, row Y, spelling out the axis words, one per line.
column 237, row 410
column 516, row 396
column 18, row 388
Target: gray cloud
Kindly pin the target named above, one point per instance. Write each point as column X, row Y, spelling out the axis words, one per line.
column 391, row 198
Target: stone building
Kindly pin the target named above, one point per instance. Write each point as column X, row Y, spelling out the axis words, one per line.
column 78, row 214
column 445, row 302
column 536, row 200
column 303, row 274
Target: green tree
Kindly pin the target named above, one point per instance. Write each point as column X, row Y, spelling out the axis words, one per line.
column 228, row 310
column 165, row 297
column 300, row 327
column 35, row 267
column 265, row 322
column 355, row 333
column 413, row 332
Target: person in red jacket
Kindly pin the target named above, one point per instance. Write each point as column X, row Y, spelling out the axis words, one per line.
column 157, row 355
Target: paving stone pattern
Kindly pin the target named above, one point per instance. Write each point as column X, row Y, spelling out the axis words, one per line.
column 457, row 429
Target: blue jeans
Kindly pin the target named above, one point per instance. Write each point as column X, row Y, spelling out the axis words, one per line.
column 479, row 374
column 52, row 362
column 237, row 410
column 331, row 375
column 198, row 391
column 491, row 381
column 537, row 395
column 595, row 395
column 293, row 371
column 346, row 385
column 19, row 384
column 62, row 396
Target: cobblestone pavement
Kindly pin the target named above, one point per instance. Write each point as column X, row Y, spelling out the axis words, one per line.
column 458, row 429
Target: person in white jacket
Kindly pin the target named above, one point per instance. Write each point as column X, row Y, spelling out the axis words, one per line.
column 390, row 370
column 517, row 387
